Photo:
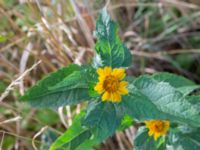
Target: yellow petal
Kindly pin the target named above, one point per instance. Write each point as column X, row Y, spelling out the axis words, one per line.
column 123, row 91
column 100, row 71
column 101, row 78
column 146, row 123
column 123, row 83
column 166, row 124
column 111, row 96
column 106, row 96
column 150, row 133
column 119, row 73
column 156, row 136
column 116, row 97
column 99, row 88
column 107, row 71
column 166, row 127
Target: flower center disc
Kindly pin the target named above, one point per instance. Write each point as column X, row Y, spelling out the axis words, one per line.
column 159, row 126
column 111, row 84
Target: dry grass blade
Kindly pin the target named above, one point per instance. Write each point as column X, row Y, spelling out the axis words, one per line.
column 2, row 139
column 62, row 117
column 182, row 4
column 11, row 120
column 23, row 63
column 36, row 135
column 17, row 81
column 83, row 25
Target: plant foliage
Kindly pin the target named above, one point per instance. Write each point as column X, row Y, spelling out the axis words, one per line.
column 158, row 96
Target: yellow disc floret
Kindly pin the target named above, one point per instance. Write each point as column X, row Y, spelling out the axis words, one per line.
column 157, row 128
column 110, row 84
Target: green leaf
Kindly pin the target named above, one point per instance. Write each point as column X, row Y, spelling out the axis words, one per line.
column 109, row 46
column 70, row 82
column 88, row 144
column 195, row 100
column 126, row 122
column 182, row 84
column 91, row 77
column 102, row 118
column 151, row 99
column 144, row 142
column 73, row 137
column 86, row 77
column 139, row 106
column 186, row 141
column 64, row 87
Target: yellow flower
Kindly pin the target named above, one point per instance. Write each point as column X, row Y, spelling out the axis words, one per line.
column 110, row 84
column 157, row 128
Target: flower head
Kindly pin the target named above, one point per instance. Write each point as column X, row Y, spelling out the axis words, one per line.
column 157, row 128
column 110, row 84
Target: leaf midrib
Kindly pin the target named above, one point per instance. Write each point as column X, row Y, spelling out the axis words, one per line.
column 54, row 92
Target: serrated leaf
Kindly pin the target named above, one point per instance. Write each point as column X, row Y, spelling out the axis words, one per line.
column 143, row 142
column 102, row 118
column 73, row 137
column 151, row 99
column 168, row 100
column 140, row 107
column 52, row 79
column 64, row 87
column 109, row 46
column 182, row 84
